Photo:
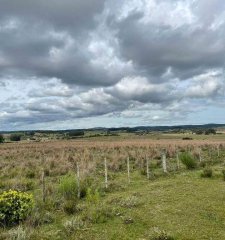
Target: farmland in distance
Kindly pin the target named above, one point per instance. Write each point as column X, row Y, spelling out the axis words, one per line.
column 118, row 186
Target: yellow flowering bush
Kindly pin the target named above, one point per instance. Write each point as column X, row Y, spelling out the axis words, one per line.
column 15, row 206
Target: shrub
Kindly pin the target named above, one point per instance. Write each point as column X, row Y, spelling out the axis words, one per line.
column 15, row 206
column 1, row 138
column 70, row 206
column 207, row 173
column 202, row 164
column 68, row 187
column 188, row 160
column 30, row 174
column 83, row 189
column 15, row 137
column 143, row 171
column 47, row 172
column 223, row 172
column 187, row 138
column 92, row 196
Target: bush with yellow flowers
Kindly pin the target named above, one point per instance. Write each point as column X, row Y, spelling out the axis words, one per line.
column 15, row 206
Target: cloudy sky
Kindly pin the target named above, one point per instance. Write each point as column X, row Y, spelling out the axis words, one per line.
column 80, row 64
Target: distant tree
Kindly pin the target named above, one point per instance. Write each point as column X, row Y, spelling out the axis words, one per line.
column 187, row 138
column 1, row 138
column 199, row 131
column 210, row 131
column 15, row 137
column 76, row 133
column 30, row 133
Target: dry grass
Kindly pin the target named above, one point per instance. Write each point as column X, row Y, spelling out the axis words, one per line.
column 22, row 164
column 27, row 160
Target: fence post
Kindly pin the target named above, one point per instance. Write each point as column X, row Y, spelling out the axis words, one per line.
column 106, row 174
column 128, row 169
column 78, row 181
column 147, row 168
column 209, row 152
column 164, row 161
column 218, row 150
column 178, row 160
column 200, row 157
column 43, row 185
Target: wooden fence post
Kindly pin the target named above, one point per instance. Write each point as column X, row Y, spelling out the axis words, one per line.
column 200, row 157
column 164, row 161
column 43, row 186
column 106, row 174
column 147, row 168
column 78, row 181
column 209, row 152
column 178, row 160
column 128, row 169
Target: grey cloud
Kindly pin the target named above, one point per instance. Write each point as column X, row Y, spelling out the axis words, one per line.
column 72, row 14
column 208, row 85
column 57, row 54
column 188, row 50
column 51, row 91
column 2, row 84
column 52, row 39
column 152, row 46
column 62, row 50
column 127, row 58
column 208, row 11
column 139, row 89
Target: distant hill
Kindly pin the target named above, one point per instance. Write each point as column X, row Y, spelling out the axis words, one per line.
column 128, row 129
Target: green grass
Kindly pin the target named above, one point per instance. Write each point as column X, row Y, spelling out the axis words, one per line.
column 180, row 205
column 183, row 205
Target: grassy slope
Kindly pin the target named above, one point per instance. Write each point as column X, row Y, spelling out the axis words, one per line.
column 186, row 206
column 183, row 205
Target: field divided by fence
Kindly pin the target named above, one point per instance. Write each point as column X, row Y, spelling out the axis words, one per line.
column 80, row 184
column 100, row 160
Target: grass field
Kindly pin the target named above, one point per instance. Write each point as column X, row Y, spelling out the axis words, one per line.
column 179, row 204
